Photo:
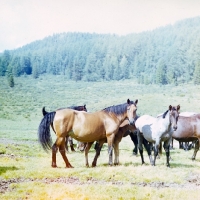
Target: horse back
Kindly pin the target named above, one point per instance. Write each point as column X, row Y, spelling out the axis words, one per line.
column 188, row 128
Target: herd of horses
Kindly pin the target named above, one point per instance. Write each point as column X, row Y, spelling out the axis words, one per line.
column 111, row 124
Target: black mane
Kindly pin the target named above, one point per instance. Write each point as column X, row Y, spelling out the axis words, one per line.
column 165, row 113
column 118, row 109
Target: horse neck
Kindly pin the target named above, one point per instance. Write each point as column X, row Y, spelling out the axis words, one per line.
column 167, row 120
column 122, row 117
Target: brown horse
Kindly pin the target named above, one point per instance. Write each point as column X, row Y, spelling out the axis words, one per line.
column 124, row 130
column 68, row 138
column 85, row 127
column 188, row 130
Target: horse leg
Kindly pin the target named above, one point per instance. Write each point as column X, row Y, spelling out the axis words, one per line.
column 62, row 152
column 116, row 150
column 196, row 148
column 140, row 141
column 66, row 143
column 148, row 147
column 87, row 148
column 172, row 144
column 71, row 143
column 110, row 140
column 97, row 147
column 54, row 151
column 135, row 142
column 167, row 150
column 156, row 148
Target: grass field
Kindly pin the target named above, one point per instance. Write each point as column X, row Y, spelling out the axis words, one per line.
column 25, row 169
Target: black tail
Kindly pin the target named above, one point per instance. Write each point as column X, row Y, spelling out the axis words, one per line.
column 44, row 112
column 44, row 135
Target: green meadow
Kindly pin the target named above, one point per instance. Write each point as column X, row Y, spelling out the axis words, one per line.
column 25, row 169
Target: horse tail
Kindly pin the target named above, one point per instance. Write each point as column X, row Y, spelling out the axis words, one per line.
column 44, row 112
column 44, row 135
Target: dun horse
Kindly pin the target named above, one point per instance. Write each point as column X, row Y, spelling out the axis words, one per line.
column 68, row 138
column 84, row 127
column 188, row 130
column 156, row 130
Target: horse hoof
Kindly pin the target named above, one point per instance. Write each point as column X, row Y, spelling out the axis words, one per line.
column 69, row 166
column 54, row 166
column 116, row 164
column 93, row 165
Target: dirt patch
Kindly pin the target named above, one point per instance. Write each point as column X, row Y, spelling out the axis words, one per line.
column 193, row 182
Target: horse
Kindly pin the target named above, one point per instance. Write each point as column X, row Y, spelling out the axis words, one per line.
column 156, row 130
column 124, row 130
column 184, row 145
column 188, row 131
column 84, row 127
column 68, row 138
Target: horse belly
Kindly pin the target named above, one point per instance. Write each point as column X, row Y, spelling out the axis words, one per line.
column 87, row 134
column 147, row 133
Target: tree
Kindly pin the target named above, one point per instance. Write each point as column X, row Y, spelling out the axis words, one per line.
column 10, row 77
column 35, row 72
column 197, row 74
column 124, row 67
column 161, row 73
column 17, row 71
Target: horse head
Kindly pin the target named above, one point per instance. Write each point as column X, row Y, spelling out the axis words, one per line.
column 131, row 111
column 173, row 115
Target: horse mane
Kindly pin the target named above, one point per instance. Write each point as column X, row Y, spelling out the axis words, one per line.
column 165, row 113
column 118, row 109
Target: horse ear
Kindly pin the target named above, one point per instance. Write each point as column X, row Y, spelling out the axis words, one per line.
column 178, row 107
column 136, row 101
column 128, row 101
column 170, row 107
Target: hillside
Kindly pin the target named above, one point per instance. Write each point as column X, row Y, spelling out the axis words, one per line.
column 167, row 55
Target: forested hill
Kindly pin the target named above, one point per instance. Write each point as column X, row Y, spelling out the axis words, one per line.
column 166, row 55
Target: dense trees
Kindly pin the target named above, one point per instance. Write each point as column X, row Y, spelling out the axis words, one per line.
column 167, row 55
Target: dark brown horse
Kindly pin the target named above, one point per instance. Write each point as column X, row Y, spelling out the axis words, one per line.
column 68, row 138
column 188, row 130
column 85, row 127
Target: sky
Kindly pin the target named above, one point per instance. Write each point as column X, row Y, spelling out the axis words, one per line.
column 24, row 21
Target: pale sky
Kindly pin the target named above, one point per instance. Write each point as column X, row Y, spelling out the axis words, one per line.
column 24, row 21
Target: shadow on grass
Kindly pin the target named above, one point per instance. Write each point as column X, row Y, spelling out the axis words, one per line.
column 180, row 165
column 5, row 169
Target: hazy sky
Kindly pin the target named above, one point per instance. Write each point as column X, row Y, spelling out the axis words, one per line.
column 24, row 21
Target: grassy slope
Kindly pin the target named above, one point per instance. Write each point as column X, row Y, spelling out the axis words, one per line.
column 22, row 157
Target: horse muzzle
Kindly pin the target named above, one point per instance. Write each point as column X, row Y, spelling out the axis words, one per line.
column 132, row 122
column 175, row 128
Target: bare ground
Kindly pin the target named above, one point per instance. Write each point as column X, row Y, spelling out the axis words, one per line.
column 193, row 182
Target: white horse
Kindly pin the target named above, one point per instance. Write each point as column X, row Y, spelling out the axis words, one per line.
column 157, row 129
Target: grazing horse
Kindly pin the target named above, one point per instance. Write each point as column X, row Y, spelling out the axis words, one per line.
column 69, row 138
column 124, row 130
column 84, row 127
column 188, row 131
column 156, row 130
